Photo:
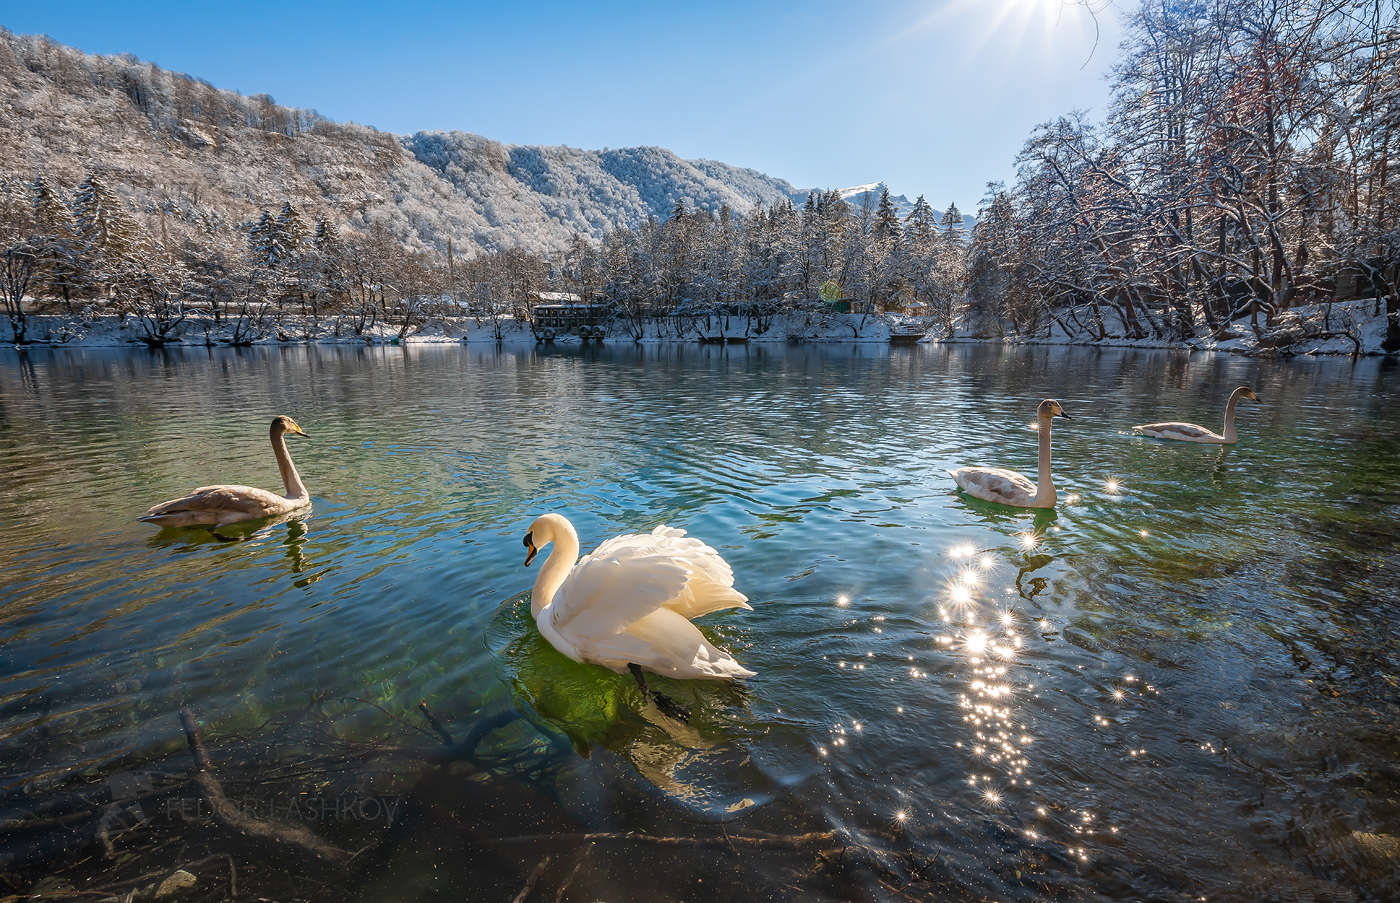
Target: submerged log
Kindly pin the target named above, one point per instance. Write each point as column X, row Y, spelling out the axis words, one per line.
column 227, row 814
column 760, row 840
column 434, row 723
column 531, row 881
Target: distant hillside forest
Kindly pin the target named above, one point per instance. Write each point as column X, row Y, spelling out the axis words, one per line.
column 124, row 187
column 1241, row 174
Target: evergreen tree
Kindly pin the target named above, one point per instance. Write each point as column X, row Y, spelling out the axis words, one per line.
column 678, row 212
column 886, row 224
column 263, row 238
column 107, row 235
column 326, row 238
column 953, row 228
column 920, row 225
column 278, row 241
column 291, row 230
column 58, row 235
column 51, row 214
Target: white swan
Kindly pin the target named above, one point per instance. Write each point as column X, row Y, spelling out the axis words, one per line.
column 628, row 605
column 995, row 484
column 219, row 506
column 1190, row 432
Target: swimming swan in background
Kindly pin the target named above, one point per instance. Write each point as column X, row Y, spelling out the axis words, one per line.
column 1189, row 432
column 1008, row 487
column 219, row 506
column 628, row 605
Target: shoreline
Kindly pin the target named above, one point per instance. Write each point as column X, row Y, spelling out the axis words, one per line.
column 1361, row 334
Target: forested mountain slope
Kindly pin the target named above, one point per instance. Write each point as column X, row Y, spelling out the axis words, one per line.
column 172, row 142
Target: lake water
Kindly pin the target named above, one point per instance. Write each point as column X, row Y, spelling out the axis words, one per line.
column 1183, row 684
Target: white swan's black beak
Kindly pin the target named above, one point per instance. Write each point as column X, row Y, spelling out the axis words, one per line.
column 530, row 544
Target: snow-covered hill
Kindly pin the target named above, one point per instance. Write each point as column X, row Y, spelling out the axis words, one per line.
column 869, row 193
column 171, row 142
column 561, row 190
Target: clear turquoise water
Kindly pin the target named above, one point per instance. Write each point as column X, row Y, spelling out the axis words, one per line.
column 1171, row 687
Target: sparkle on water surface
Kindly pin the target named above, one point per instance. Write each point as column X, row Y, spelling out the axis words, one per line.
column 956, row 670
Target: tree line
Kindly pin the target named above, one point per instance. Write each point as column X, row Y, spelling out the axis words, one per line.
column 775, row 259
column 173, row 269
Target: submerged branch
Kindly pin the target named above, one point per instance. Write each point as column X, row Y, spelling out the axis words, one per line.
column 785, row 841
column 531, row 881
column 227, row 814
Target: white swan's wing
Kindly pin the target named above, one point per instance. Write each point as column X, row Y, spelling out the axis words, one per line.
column 1187, row 432
column 630, row 576
column 665, row 643
column 611, row 588
column 711, row 584
column 994, row 484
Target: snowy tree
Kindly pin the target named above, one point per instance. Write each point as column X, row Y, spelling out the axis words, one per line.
column 886, row 226
column 108, row 237
column 58, row 235
column 954, row 231
column 919, row 225
column 291, row 231
column 20, row 256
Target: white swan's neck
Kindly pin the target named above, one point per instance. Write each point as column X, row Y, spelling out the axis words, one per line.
column 296, row 489
column 1044, row 483
column 561, row 560
column 1229, row 431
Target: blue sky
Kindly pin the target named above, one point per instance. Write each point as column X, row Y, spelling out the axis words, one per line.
column 932, row 97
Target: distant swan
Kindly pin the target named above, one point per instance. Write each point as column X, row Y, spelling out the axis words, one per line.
column 1008, row 487
column 219, row 506
column 628, row 605
column 1189, row 432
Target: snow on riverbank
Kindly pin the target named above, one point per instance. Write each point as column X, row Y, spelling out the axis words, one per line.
column 1348, row 327
column 113, row 331
column 1351, row 327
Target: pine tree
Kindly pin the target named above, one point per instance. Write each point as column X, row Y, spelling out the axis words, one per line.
column 678, row 212
column 327, row 237
column 51, row 214
column 263, row 237
column 919, row 225
column 953, row 228
column 291, row 230
column 887, row 218
column 54, row 223
column 108, row 238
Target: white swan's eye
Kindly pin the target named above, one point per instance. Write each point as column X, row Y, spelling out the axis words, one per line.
column 529, row 540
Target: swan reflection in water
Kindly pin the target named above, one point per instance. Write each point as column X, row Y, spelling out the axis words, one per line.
column 294, row 543
column 701, row 763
